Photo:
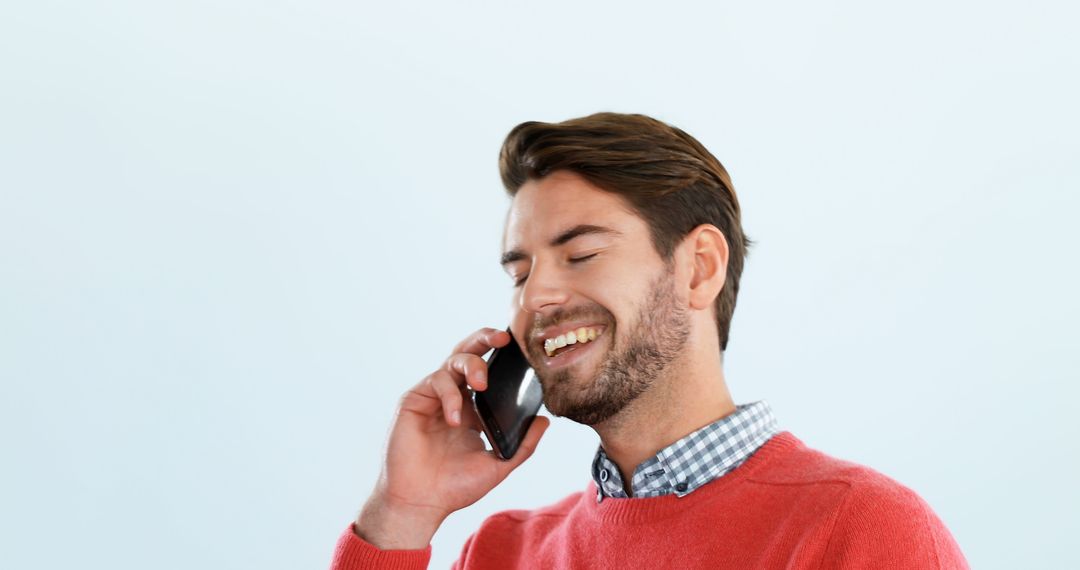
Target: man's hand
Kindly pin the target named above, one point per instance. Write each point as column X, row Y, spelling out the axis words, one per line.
column 436, row 461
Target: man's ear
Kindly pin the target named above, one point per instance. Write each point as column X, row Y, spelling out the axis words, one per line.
column 708, row 251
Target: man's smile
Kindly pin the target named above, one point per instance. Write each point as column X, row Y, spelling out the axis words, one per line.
column 569, row 354
column 556, row 342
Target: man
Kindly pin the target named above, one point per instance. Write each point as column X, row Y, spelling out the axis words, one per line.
column 626, row 232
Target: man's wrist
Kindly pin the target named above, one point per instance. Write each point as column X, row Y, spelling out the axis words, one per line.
column 388, row 527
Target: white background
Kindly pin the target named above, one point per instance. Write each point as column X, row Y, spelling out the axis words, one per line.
column 232, row 233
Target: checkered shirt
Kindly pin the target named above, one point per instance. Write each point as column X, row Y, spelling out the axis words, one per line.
column 694, row 460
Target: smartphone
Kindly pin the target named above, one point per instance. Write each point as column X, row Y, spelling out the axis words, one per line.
column 513, row 396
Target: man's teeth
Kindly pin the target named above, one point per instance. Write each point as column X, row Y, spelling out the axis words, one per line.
column 581, row 335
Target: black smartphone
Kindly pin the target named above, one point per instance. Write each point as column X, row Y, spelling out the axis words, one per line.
column 513, row 396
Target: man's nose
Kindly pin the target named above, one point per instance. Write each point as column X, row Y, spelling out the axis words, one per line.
column 544, row 291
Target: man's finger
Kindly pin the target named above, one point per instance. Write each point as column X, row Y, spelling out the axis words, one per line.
column 482, row 341
column 446, row 387
column 469, row 419
column 469, row 369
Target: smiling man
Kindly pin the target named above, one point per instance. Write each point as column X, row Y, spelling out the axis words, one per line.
column 625, row 246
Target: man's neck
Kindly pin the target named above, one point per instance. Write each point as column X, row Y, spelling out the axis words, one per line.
column 692, row 394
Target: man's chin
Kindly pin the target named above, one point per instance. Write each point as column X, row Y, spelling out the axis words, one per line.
column 559, row 405
column 574, row 377
column 564, row 388
column 578, row 407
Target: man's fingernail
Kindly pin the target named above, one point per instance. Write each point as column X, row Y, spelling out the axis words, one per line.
column 455, row 416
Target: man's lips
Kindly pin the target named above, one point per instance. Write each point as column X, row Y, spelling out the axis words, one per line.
column 565, row 327
column 570, row 354
column 546, row 336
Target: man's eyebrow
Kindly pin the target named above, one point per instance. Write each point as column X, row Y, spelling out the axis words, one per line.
column 580, row 230
column 511, row 256
column 562, row 239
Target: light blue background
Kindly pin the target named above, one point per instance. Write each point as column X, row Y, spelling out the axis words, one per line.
column 232, row 233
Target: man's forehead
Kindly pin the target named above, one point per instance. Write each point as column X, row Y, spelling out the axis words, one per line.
column 542, row 209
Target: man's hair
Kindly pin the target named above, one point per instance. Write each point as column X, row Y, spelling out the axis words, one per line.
column 666, row 176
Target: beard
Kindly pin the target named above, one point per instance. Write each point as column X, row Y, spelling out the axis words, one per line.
column 630, row 368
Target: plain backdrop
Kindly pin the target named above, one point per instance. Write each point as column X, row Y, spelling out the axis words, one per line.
column 233, row 233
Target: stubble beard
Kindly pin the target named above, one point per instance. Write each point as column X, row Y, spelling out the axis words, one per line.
column 659, row 335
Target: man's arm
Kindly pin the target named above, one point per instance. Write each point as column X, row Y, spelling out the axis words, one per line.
column 353, row 553
column 435, row 463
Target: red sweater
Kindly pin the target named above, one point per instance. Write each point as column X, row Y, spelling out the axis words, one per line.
column 787, row 506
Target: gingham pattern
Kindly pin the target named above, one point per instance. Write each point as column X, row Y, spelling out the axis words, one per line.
column 694, row 460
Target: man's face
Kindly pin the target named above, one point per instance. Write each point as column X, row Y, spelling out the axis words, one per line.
column 595, row 307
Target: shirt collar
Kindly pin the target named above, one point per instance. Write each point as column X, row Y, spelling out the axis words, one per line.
column 694, row 460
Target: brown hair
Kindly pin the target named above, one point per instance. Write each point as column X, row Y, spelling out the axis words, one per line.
column 666, row 176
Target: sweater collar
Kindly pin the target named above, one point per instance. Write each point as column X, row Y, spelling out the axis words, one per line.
column 653, row 509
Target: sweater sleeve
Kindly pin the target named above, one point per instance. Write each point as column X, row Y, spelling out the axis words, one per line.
column 883, row 524
column 355, row 553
